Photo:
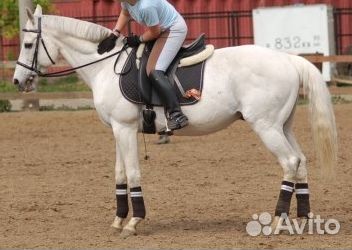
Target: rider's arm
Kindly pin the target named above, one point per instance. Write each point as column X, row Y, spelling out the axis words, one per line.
column 151, row 33
column 151, row 19
column 122, row 20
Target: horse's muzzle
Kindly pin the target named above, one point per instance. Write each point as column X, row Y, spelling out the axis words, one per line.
column 26, row 86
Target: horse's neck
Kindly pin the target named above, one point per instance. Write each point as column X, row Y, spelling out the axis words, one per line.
column 78, row 52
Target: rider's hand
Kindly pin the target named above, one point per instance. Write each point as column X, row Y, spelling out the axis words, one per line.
column 107, row 44
column 133, row 41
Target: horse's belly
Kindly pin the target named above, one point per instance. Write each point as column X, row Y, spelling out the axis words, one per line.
column 208, row 127
column 208, row 118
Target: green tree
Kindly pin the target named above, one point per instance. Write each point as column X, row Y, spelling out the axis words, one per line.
column 9, row 21
column 9, row 18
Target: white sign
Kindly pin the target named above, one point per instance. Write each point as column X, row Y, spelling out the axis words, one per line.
column 297, row 29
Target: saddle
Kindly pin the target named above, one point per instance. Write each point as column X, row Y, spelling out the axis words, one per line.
column 185, row 74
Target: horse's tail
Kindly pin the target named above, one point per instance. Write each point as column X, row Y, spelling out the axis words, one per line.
column 322, row 116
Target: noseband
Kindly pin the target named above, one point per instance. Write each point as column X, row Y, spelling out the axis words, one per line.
column 35, row 67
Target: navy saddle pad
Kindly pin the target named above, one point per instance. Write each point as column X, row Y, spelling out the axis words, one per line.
column 133, row 82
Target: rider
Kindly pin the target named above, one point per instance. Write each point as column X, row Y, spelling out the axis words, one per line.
column 166, row 26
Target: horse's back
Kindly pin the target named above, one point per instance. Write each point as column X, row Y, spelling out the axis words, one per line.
column 259, row 79
column 260, row 60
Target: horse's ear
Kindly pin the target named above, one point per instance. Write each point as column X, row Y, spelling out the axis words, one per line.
column 38, row 11
column 30, row 15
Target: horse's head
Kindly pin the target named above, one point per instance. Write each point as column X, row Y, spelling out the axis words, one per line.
column 37, row 51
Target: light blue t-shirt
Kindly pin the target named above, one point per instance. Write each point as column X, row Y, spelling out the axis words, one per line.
column 152, row 12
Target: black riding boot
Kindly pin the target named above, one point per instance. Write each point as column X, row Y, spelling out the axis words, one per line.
column 161, row 83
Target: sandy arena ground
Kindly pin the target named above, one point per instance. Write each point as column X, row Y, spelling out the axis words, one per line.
column 57, row 186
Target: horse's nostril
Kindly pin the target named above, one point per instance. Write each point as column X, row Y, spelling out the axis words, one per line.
column 15, row 81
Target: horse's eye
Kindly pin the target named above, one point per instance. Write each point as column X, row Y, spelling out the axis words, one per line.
column 28, row 45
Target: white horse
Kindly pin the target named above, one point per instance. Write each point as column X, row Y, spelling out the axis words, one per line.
column 247, row 82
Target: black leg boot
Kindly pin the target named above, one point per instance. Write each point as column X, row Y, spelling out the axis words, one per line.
column 176, row 119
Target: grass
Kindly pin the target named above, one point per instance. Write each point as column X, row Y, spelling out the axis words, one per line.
column 63, row 84
column 302, row 101
column 340, row 100
column 5, row 106
column 6, row 87
column 336, row 99
column 63, row 108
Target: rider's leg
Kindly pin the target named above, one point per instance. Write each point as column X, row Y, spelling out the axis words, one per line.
column 163, row 139
column 176, row 119
column 163, row 53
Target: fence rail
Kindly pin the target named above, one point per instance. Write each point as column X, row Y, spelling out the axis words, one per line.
column 334, row 59
column 46, row 95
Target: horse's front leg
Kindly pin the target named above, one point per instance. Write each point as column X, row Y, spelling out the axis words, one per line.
column 121, row 190
column 126, row 140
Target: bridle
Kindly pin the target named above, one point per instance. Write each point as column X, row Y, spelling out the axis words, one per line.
column 35, row 67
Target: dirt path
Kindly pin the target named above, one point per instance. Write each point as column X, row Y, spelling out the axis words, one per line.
column 57, row 186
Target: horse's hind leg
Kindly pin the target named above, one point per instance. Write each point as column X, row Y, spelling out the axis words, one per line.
column 276, row 141
column 301, row 187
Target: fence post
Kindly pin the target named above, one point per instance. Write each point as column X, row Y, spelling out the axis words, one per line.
column 2, row 57
column 22, row 5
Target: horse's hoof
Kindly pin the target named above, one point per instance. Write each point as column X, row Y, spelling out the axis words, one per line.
column 275, row 223
column 127, row 233
column 117, row 224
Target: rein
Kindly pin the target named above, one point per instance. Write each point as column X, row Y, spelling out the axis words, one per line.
column 34, row 66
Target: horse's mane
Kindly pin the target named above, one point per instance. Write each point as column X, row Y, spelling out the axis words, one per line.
column 77, row 28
